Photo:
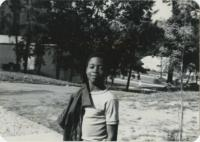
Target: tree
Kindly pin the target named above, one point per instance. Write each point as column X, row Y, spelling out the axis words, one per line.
column 15, row 7
column 63, row 28
column 32, row 28
column 180, row 31
column 140, row 34
column 10, row 22
column 92, row 32
column 39, row 52
column 184, row 41
column 22, row 20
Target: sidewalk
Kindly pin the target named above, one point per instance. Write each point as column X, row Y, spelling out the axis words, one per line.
column 198, row 139
column 46, row 137
column 2, row 140
column 15, row 128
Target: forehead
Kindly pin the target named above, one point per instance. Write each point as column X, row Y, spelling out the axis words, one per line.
column 96, row 60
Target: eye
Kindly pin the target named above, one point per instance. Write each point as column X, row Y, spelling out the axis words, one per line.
column 101, row 67
column 91, row 66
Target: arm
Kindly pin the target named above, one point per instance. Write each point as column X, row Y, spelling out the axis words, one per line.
column 112, row 120
column 61, row 118
column 112, row 132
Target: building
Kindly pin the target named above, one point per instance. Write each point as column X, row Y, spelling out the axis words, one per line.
column 7, row 54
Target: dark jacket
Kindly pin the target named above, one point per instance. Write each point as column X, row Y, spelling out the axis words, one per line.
column 71, row 118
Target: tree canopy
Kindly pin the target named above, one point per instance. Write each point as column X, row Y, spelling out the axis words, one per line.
column 122, row 29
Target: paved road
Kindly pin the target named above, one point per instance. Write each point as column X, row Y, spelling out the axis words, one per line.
column 136, row 83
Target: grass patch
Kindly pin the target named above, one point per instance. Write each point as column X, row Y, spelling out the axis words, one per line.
column 33, row 79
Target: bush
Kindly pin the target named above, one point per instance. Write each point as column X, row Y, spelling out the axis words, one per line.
column 170, row 87
column 11, row 67
column 159, row 80
column 172, row 135
column 191, row 87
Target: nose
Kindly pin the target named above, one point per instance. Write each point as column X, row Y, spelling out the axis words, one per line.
column 96, row 69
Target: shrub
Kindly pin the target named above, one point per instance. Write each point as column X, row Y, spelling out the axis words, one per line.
column 159, row 80
column 11, row 67
column 191, row 87
column 172, row 135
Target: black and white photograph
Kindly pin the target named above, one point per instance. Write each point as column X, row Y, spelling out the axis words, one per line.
column 99, row 70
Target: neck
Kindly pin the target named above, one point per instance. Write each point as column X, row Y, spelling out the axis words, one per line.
column 94, row 87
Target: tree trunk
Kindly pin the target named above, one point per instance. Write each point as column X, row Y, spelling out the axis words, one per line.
column 112, row 80
column 138, row 75
column 170, row 76
column 196, row 76
column 26, row 57
column 38, row 65
column 181, row 98
column 161, row 67
column 170, row 72
column 70, row 75
column 57, row 71
column 188, row 78
column 16, row 9
column 39, row 69
column 17, row 67
column 129, row 78
column 58, row 62
column 17, row 50
column 28, row 42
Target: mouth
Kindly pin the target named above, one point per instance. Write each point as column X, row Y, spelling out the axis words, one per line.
column 94, row 76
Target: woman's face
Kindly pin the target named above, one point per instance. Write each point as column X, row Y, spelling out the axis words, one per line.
column 95, row 70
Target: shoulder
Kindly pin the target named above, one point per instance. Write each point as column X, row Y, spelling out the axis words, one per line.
column 110, row 96
column 78, row 92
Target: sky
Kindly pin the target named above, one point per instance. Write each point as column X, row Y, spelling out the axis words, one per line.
column 164, row 11
column 153, row 63
column 197, row 1
column 1, row 1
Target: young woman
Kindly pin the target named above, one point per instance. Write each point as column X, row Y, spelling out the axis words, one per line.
column 92, row 114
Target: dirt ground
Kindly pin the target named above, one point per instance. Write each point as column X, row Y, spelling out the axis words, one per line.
column 143, row 117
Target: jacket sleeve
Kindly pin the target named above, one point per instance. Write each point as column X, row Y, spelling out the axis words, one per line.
column 61, row 118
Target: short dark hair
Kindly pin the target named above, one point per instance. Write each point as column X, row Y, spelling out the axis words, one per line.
column 99, row 55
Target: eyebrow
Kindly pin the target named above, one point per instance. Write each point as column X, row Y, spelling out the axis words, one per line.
column 96, row 64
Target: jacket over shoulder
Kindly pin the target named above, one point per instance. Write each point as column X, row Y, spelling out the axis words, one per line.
column 71, row 117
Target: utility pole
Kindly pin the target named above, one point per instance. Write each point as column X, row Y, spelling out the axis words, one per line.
column 198, row 17
column 199, row 59
column 161, row 67
column 183, row 5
